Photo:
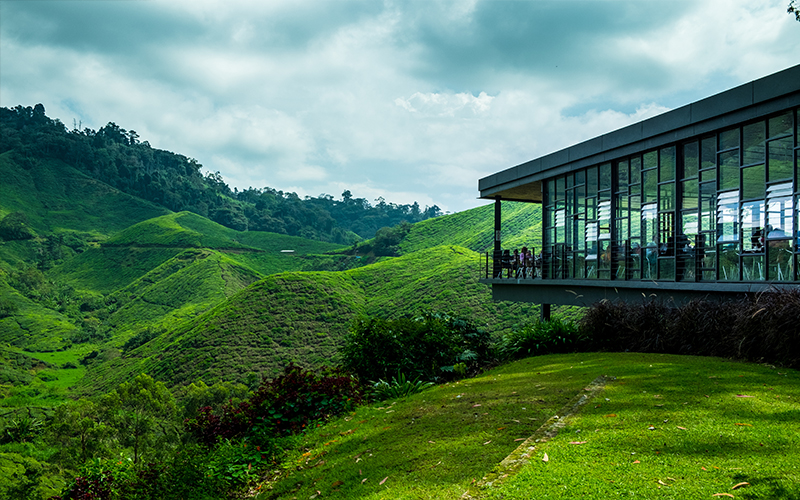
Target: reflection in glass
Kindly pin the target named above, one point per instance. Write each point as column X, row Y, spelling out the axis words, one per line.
column 666, row 199
column 605, row 176
column 708, row 205
column 753, row 268
column 650, row 234
column 691, row 160
column 753, row 227
column 779, row 260
column 689, row 194
column 780, row 125
column 728, row 217
column 728, row 262
column 636, row 170
column 779, row 211
column 650, row 178
column 779, row 159
column 729, row 170
column 667, row 164
column 729, row 139
column 753, row 182
column 754, row 136
column 708, row 153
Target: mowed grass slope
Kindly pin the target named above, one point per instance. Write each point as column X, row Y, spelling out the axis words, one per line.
column 716, row 424
column 303, row 317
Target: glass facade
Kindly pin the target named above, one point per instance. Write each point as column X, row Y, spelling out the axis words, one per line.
column 718, row 207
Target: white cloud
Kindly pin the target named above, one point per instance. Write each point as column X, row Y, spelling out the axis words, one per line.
column 404, row 100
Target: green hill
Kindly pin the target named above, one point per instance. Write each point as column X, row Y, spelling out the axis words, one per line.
column 141, row 248
column 24, row 323
column 474, row 228
column 302, row 316
column 56, row 198
column 180, row 288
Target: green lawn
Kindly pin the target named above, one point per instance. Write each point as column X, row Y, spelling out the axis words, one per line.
column 667, row 427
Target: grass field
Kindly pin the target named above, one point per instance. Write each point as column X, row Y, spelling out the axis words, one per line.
column 667, row 427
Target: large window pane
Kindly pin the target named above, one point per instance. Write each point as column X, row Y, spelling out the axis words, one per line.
column 666, row 198
column 650, row 160
column 650, row 181
column 691, row 160
column 779, row 260
column 728, row 217
column 708, row 153
column 729, row 139
column 779, row 212
column 605, row 176
column 729, row 170
column 689, row 194
column 650, row 237
column 636, row 214
column 591, row 181
column 779, row 159
column 636, row 169
column 708, row 206
column 780, row 125
column 753, row 182
column 667, row 164
column 753, row 226
column 753, row 136
column 753, row 268
column 622, row 176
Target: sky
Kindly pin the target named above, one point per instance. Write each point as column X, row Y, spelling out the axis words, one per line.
column 405, row 100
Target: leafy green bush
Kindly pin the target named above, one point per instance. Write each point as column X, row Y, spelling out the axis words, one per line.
column 540, row 337
column 427, row 347
column 399, row 387
column 16, row 226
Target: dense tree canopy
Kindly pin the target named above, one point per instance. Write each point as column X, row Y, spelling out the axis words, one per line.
column 117, row 157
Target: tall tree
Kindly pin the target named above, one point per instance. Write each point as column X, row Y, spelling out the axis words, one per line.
column 143, row 414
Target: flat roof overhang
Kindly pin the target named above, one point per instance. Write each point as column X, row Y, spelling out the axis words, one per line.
column 750, row 101
column 571, row 292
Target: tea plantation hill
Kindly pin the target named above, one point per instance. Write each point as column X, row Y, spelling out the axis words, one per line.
column 63, row 212
column 474, row 229
column 24, row 323
column 164, row 270
column 302, row 317
column 57, row 200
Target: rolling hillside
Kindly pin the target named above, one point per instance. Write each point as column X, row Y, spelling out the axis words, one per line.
column 302, row 317
column 474, row 229
column 56, row 198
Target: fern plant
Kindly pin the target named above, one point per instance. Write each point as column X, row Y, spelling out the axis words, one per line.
column 399, row 387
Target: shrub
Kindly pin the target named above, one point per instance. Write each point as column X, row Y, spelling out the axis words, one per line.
column 427, row 347
column 760, row 327
column 399, row 387
column 540, row 337
column 279, row 407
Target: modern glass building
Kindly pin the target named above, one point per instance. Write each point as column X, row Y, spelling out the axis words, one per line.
column 700, row 201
